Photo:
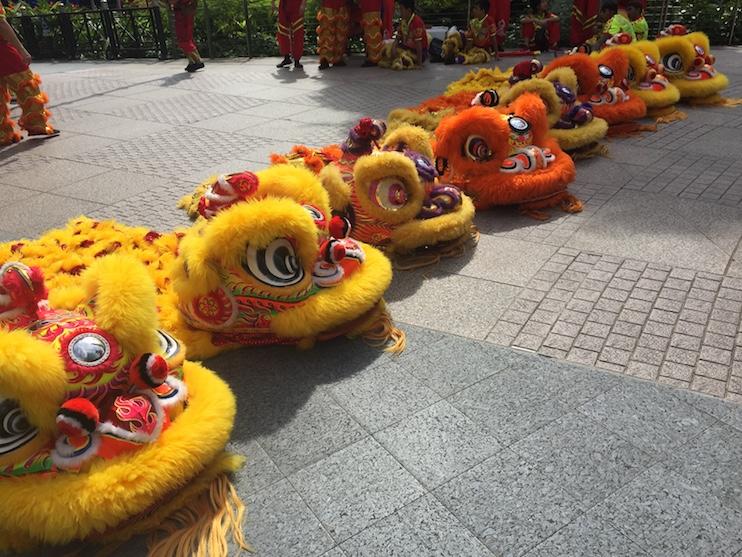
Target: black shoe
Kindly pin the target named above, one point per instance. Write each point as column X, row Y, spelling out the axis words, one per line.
column 324, row 65
column 285, row 62
column 368, row 64
column 193, row 66
column 298, row 65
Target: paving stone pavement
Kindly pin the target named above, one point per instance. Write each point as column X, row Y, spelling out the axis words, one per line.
column 553, row 396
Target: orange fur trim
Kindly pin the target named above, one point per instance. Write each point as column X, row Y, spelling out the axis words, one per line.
column 484, row 180
column 585, row 68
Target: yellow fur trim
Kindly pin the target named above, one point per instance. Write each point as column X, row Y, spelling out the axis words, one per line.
column 336, row 187
column 480, row 80
column 33, row 374
column 125, row 302
column 581, row 136
column 541, row 87
column 426, row 120
column 412, row 137
column 386, row 165
column 564, row 75
column 58, row 510
column 426, row 232
column 361, row 291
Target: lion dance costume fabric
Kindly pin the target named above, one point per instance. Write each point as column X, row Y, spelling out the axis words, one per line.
column 384, row 193
column 107, row 431
column 504, row 156
column 262, row 268
column 689, row 65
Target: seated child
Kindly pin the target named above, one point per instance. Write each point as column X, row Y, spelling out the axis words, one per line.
column 478, row 43
column 541, row 27
column 635, row 11
column 410, row 47
column 613, row 23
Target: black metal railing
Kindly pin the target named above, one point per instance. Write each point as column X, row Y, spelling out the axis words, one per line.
column 110, row 34
column 247, row 27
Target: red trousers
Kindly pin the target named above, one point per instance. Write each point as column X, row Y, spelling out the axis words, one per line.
column 184, row 30
column 290, row 34
column 10, row 60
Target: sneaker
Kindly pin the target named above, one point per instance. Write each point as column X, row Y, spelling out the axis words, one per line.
column 368, row 64
column 193, row 66
column 298, row 65
column 324, row 65
column 285, row 62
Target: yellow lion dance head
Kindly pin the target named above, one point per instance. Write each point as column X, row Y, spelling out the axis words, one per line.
column 105, row 429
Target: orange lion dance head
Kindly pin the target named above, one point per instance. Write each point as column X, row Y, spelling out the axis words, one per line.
column 505, row 156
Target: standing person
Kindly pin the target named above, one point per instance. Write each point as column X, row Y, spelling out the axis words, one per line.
column 500, row 13
column 410, row 48
column 541, row 27
column 185, row 14
column 584, row 19
column 635, row 11
column 290, row 34
column 613, row 23
column 16, row 77
column 333, row 27
column 372, row 38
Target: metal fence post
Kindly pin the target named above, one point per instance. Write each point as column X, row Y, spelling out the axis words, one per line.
column 248, row 28
column 159, row 32
column 207, row 20
column 734, row 23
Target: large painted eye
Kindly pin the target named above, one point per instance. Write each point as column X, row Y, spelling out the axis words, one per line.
column 276, row 265
column 673, row 63
column 15, row 431
column 89, row 349
column 476, row 149
column 389, row 193
column 605, row 72
column 518, row 124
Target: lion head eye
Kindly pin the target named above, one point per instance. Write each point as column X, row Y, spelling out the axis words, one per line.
column 275, row 265
column 476, row 149
column 673, row 63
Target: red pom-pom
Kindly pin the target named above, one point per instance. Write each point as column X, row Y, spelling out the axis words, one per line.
column 365, row 127
column 77, row 416
column 339, row 227
column 148, row 371
column 244, row 184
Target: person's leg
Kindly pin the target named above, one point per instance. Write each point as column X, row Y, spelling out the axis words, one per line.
column 8, row 134
column 371, row 23
column 372, row 37
column 297, row 35
column 282, row 35
column 184, row 22
column 342, row 29
column 34, row 116
column 325, row 36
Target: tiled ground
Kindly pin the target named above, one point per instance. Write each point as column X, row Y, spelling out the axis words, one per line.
column 463, row 445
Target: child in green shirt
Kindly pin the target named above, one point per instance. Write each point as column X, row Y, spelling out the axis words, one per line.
column 635, row 11
column 613, row 22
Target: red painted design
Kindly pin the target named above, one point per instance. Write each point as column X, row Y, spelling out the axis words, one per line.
column 136, row 414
